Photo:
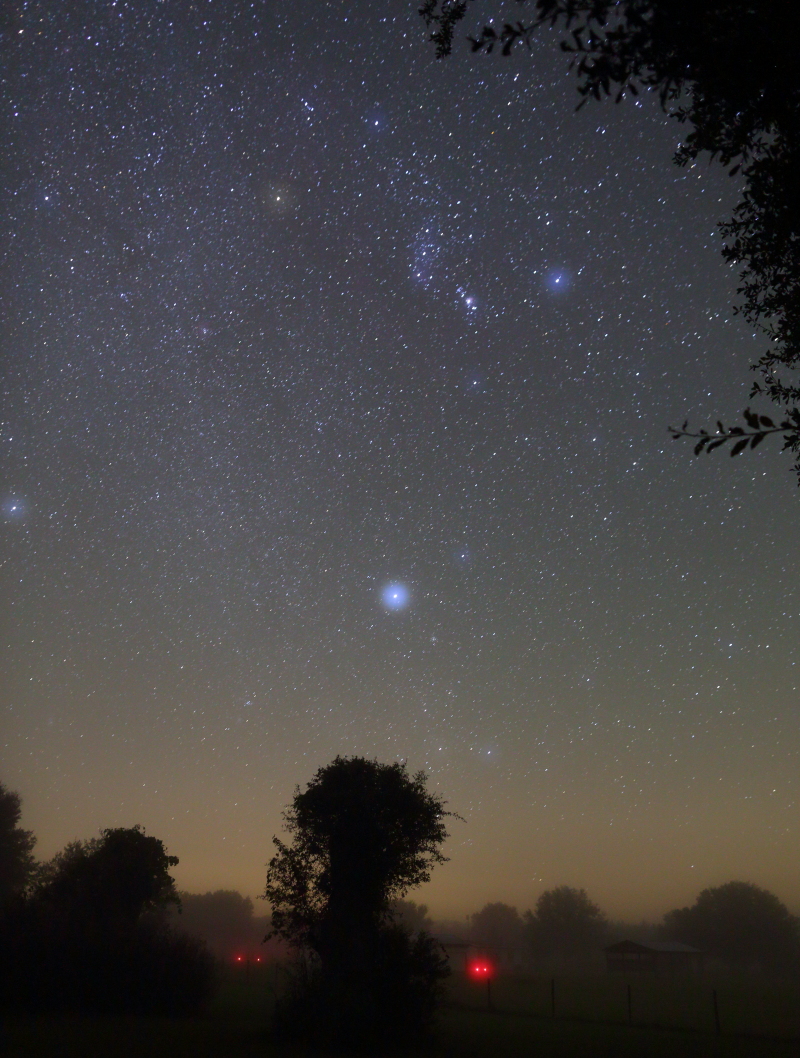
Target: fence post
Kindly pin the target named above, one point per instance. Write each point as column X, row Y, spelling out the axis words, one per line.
column 630, row 1010
column 717, row 1027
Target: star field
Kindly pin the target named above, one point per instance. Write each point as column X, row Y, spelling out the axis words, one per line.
column 335, row 404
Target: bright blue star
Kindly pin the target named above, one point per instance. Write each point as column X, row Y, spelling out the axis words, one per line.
column 558, row 279
column 13, row 508
column 395, row 596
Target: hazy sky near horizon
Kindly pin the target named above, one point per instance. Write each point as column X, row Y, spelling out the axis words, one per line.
column 335, row 395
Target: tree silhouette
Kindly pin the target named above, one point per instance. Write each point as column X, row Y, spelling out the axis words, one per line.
column 17, row 865
column 727, row 70
column 91, row 935
column 111, row 881
column 742, row 924
column 224, row 920
column 363, row 834
column 565, row 924
column 411, row 915
column 497, row 926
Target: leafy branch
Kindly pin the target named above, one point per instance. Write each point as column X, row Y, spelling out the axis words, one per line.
column 508, row 37
column 727, row 70
column 758, row 427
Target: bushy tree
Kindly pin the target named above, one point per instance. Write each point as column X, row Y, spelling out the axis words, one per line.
column 111, row 881
column 565, row 924
column 17, row 864
column 728, row 72
column 497, row 926
column 363, row 833
column 91, row 936
column 741, row 923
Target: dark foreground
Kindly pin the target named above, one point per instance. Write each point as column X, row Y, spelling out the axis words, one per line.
column 237, row 1027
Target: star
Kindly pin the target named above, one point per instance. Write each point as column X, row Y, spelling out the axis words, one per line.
column 395, row 596
column 558, row 279
column 13, row 508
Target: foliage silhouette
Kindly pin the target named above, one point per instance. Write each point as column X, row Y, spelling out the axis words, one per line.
column 112, row 880
column 223, row 920
column 17, row 864
column 727, row 70
column 411, row 915
column 391, row 998
column 565, row 924
column 363, row 834
column 753, row 433
column 92, row 935
column 741, row 923
column 497, row 925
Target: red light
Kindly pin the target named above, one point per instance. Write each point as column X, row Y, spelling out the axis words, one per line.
column 481, row 969
column 238, row 958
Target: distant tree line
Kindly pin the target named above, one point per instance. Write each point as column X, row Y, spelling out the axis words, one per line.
column 100, row 928
column 738, row 923
column 565, row 926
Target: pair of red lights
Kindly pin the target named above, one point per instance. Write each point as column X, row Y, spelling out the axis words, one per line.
column 241, row 958
column 481, row 970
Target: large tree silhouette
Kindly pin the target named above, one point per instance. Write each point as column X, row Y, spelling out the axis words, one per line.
column 363, row 833
column 728, row 71
column 91, row 936
column 17, row 865
column 110, row 882
column 742, row 924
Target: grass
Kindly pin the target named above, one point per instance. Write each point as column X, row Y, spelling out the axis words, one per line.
column 467, row 1034
column 750, row 1006
column 673, row 1019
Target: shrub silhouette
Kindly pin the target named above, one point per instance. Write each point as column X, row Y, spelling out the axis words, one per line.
column 395, row 998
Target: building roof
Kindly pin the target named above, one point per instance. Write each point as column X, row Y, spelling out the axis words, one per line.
column 450, row 940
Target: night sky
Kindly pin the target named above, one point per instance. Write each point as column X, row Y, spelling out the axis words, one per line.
column 336, row 385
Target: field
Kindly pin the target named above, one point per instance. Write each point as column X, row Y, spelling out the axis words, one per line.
column 758, row 1019
column 745, row 1006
